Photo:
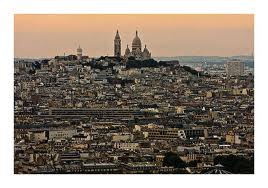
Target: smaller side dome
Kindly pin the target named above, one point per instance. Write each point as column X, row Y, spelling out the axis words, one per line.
column 127, row 52
column 145, row 49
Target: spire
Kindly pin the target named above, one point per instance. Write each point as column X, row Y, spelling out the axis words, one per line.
column 79, row 48
column 117, row 35
column 136, row 33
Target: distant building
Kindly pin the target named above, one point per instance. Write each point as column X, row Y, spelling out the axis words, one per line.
column 193, row 133
column 166, row 134
column 126, row 145
column 232, row 138
column 235, row 68
column 38, row 136
column 140, row 167
column 137, row 52
column 122, row 137
column 79, row 53
column 117, row 45
column 66, row 58
column 61, row 134
column 101, row 168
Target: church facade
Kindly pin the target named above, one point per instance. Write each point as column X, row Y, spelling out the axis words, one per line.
column 136, row 50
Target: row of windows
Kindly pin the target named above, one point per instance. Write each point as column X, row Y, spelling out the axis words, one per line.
column 100, row 170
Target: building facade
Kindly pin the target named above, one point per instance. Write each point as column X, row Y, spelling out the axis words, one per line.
column 136, row 50
column 166, row 134
column 235, row 68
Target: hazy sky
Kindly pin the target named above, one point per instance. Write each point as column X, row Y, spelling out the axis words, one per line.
column 165, row 35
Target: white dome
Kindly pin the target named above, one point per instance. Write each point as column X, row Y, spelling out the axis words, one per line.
column 136, row 43
column 146, row 50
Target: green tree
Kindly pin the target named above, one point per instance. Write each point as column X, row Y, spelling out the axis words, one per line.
column 173, row 159
column 236, row 164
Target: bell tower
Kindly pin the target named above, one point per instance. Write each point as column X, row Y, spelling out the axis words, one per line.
column 117, row 45
column 79, row 53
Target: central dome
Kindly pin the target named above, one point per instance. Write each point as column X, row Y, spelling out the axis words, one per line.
column 136, row 43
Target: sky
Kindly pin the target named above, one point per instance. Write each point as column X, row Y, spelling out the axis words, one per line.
column 166, row 35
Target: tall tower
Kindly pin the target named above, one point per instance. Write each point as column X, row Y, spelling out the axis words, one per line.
column 117, row 45
column 79, row 53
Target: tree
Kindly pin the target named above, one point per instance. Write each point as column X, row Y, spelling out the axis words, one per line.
column 139, row 64
column 192, row 163
column 173, row 159
column 190, row 70
column 194, row 72
column 236, row 164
